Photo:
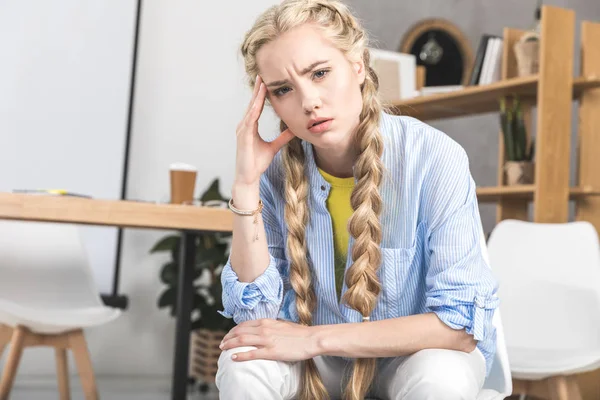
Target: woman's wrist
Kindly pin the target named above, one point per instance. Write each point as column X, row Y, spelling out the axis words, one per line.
column 321, row 342
column 245, row 196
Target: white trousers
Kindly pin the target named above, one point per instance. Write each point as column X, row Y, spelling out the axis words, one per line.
column 432, row 374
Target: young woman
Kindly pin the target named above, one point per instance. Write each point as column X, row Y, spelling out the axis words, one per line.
column 356, row 266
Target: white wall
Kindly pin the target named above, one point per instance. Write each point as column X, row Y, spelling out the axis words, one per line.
column 190, row 97
column 64, row 88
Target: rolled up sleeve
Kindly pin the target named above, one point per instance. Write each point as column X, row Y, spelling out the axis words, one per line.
column 461, row 289
column 261, row 298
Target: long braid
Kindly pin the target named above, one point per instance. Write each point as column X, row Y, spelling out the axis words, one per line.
column 296, row 215
column 365, row 227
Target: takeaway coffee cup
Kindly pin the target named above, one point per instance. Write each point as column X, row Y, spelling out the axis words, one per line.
column 183, row 183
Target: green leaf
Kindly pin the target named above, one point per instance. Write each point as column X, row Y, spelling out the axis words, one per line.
column 531, row 150
column 167, row 298
column 197, row 272
column 216, row 291
column 169, row 273
column 211, row 317
column 212, row 256
column 166, row 244
column 175, row 251
column 213, row 192
column 522, row 134
column 199, row 301
column 504, row 127
column 509, row 139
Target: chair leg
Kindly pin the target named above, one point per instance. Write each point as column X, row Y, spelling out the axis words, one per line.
column 5, row 335
column 62, row 373
column 12, row 362
column 564, row 388
column 79, row 347
column 533, row 389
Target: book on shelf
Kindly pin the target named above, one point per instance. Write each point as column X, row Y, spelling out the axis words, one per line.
column 488, row 60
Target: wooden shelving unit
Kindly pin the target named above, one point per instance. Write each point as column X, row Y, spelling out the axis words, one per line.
column 481, row 99
column 552, row 91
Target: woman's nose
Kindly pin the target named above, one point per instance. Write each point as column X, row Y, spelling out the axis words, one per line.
column 309, row 103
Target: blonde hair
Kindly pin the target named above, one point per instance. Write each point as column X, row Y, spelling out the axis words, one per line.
column 342, row 28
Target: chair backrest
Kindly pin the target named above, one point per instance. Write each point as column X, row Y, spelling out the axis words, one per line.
column 499, row 378
column 549, row 277
column 45, row 265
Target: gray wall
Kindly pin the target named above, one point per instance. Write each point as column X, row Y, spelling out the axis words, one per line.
column 388, row 20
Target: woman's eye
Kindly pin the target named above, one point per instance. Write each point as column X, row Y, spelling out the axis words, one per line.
column 280, row 91
column 321, row 73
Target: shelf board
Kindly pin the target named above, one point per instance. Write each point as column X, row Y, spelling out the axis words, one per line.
column 495, row 193
column 474, row 100
column 525, row 192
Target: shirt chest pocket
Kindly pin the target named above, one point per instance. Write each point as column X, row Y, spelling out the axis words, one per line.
column 399, row 281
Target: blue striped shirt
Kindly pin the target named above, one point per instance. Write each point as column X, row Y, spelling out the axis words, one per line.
column 431, row 255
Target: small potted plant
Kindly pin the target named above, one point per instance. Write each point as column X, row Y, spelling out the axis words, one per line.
column 208, row 326
column 519, row 165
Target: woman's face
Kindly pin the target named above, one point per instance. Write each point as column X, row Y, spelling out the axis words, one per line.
column 309, row 79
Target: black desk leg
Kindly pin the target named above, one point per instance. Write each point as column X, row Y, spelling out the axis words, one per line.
column 184, row 309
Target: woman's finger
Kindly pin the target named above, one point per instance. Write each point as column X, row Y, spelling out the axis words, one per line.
column 257, row 83
column 239, row 330
column 258, row 354
column 255, row 322
column 251, row 119
column 248, row 327
column 281, row 140
column 243, row 340
column 258, row 106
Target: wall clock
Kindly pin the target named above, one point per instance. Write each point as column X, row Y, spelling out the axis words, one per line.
column 442, row 48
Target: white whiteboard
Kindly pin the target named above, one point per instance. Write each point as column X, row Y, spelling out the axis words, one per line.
column 65, row 71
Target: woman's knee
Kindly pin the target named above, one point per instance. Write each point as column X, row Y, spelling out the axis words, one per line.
column 441, row 374
column 252, row 372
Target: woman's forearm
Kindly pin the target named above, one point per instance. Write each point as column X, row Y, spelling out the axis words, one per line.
column 390, row 338
column 249, row 256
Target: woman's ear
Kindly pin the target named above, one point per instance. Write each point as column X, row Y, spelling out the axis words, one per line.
column 359, row 69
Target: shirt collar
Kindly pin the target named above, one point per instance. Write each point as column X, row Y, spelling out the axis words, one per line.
column 315, row 179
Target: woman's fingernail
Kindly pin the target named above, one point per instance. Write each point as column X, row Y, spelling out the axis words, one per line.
column 234, row 356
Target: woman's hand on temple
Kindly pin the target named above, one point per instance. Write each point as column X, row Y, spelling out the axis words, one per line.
column 253, row 154
column 274, row 339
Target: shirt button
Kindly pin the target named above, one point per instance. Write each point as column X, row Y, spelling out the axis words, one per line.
column 479, row 302
column 322, row 187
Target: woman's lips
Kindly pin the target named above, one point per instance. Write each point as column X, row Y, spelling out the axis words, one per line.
column 322, row 127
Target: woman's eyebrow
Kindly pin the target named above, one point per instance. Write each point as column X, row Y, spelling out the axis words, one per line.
column 304, row 72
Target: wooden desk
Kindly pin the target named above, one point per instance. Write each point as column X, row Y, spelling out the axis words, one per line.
column 190, row 220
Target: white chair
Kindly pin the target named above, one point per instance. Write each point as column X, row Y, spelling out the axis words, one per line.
column 47, row 298
column 498, row 384
column 549, row 276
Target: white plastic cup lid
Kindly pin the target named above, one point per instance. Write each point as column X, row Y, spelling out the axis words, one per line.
column 183, row 167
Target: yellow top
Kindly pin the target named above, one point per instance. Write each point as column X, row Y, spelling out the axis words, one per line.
column 338, row 204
